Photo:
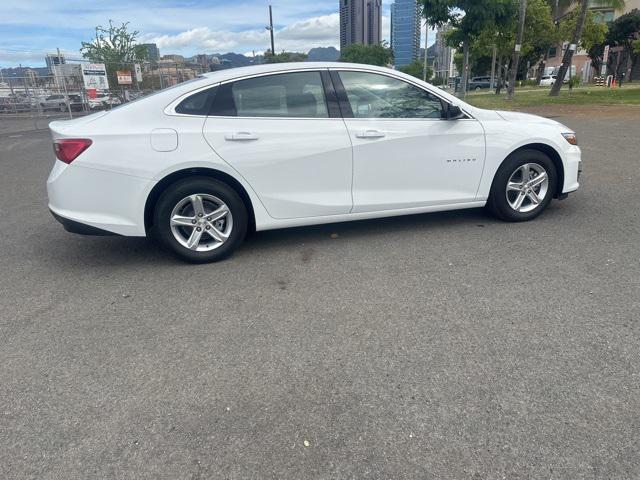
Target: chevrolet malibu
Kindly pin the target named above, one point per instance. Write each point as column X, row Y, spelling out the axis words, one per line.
column 200, row 164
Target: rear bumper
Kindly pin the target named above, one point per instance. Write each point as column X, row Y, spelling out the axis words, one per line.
column 88, row 200
column 80, row 228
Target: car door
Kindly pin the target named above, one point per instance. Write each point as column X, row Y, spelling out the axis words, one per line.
column 284, row 134
column 405, row 154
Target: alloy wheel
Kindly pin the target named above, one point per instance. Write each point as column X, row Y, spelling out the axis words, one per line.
column 201, row 222
column 527, row 187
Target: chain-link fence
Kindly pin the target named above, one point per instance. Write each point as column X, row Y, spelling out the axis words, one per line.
column 31, row 101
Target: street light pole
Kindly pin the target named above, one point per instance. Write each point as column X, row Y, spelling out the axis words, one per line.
column 273, row 48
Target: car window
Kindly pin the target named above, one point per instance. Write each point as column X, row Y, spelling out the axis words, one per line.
column 296, row 95
column 379, row 96
column 198, row 103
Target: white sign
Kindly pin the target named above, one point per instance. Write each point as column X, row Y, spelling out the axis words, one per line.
column 605, row 59
column 95, row 76
column 138, row 70
column 124, row 77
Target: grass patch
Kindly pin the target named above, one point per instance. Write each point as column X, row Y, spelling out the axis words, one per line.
column 628, row 95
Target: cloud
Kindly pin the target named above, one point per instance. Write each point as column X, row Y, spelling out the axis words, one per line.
column 321, row 31
column 300, row 36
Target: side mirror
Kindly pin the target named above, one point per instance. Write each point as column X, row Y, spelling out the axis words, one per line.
column 453, row 112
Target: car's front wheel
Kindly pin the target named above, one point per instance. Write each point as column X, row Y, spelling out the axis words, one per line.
column 523, row 186
column 200, row 219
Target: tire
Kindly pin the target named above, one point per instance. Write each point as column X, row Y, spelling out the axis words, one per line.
column 510, row 186
column 200, row 200
column 478, row 89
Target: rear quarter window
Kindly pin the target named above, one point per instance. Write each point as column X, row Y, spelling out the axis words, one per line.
column 197, row 104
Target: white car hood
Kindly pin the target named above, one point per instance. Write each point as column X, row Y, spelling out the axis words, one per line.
column 526, row 118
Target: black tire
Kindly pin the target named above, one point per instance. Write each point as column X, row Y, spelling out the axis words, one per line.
column 498, row 203
column 478, row 89
column 177, row 192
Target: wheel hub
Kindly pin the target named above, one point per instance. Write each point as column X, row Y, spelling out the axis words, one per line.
column 201, row 222
column 527, row 187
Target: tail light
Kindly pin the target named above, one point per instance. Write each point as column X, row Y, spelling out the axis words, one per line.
column 68, row 149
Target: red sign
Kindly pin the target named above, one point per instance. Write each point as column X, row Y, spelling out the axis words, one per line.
column 92, row 93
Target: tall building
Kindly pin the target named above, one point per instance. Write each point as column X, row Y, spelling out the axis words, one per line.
column 405, row 31
column 360, row 22
column 443, row 63
column 153, row 53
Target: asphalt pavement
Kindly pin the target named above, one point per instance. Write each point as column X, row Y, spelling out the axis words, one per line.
column 431, row 346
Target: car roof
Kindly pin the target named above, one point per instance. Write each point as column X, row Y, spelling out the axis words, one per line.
column 231, row 73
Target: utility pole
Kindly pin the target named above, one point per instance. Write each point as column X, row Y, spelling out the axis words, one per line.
column 270, row 28
column 426, row 46
column 516, row 51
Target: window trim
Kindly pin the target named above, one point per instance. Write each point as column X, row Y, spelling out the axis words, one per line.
column 335, row 93
column 346, row 106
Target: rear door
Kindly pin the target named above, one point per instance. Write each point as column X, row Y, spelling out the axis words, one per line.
column 284, row 134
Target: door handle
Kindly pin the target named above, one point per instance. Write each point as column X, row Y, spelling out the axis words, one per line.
column 370, row 134
column 240, row 136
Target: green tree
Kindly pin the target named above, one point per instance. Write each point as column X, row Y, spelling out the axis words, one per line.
column 576, row 37
column 416, row 69
column 284, row 57
column 380, row 55
column 116, row 47
column 624, row 32
column 470, row 18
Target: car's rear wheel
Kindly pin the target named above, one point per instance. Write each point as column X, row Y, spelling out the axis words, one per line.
column 200, row 219
column 523, row 186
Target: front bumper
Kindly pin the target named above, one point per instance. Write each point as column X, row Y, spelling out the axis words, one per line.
column 572, row 169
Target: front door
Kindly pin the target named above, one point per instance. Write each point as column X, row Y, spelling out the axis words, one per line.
column 277, row 132
column 405, row 154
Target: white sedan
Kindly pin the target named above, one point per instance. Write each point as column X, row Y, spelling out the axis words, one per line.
column 547, row 80
column 282, row 145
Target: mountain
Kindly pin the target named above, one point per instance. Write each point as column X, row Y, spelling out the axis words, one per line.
column 323, row 54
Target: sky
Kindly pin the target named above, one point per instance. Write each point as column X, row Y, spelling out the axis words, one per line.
column 31, row 28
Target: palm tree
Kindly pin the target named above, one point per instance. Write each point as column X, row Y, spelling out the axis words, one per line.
column 577, row 34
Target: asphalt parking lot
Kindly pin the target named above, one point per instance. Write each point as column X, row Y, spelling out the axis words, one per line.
column 432, row 346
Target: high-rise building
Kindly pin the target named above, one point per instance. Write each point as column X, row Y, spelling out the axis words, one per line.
column 405, row 31
column 360, row 22
column 443, row 63
column 153, row 53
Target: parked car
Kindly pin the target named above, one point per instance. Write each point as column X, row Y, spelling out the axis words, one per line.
column 76, row 102
column 480, row 83
column 103, row 101
column 547, row 80
column 54, row 102
column 14, row 104
column 283, row 145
